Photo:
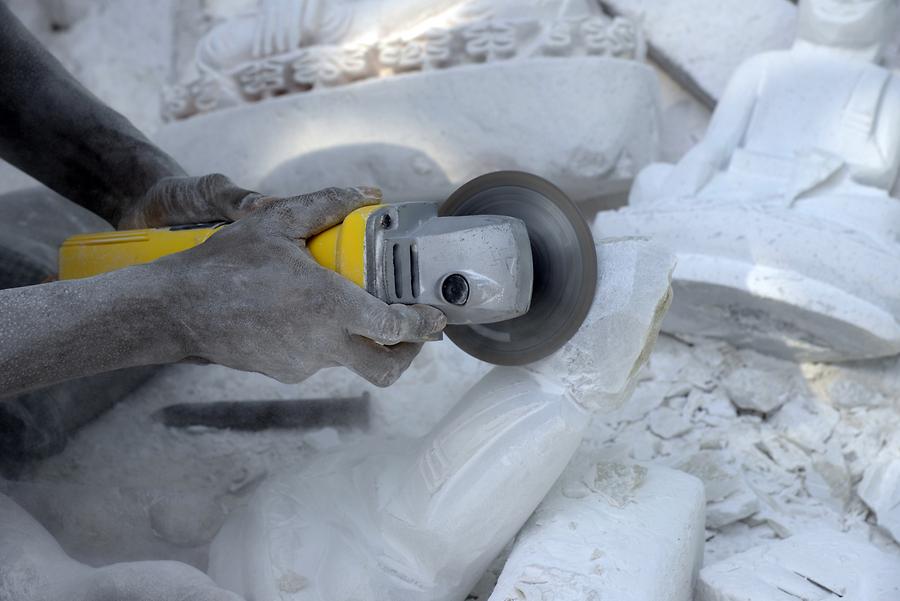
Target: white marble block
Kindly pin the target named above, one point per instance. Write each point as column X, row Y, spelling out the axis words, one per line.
column 422, row 519
column 818, row 566
column 610, row 531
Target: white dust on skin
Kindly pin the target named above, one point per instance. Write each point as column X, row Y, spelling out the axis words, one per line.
column 125, row 482
column 768, row 475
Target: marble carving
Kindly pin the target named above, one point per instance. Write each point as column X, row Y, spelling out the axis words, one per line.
column 291, row 46
column 422, row 519
column 781, row 217
column 417, row 97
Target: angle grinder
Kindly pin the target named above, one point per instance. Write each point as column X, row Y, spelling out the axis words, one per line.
column 507, row 257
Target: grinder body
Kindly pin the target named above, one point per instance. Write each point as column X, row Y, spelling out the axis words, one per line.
column 475, row 269
column 507, row 257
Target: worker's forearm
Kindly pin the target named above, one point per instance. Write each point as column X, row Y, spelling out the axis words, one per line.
column 55, row 130
column 53, row 332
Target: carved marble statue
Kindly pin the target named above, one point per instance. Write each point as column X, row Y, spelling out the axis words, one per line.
column 402, row 519
column 283, row 26
column 786, row 234
column 290, row 46
column 422, row 519
column 417, row 96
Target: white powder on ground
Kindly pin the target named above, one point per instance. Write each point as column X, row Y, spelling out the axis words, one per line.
column 768, row 476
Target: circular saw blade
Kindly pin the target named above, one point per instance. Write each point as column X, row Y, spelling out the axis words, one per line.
column 564, row 260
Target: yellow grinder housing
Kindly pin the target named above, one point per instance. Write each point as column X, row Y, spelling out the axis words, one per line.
column 339, row 248
column 475, row 268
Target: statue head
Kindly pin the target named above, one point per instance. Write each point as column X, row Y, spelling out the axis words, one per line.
column 861, row 27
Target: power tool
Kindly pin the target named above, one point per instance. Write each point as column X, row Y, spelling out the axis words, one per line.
column 507, row 257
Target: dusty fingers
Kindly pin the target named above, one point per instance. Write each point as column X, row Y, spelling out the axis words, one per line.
column 183, row 200
column 380, row 365
column 365, row 315
column 381, row 340
column 301, row 217
column 392, row 324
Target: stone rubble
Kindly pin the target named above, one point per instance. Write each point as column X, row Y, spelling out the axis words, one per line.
column 779, row 449
column 880, row 491
column 767, row 476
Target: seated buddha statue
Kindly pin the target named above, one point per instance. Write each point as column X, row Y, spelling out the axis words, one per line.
column 781, row 216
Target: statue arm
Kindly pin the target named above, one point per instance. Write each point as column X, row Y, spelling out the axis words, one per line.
column 55, row 130
column 887, row 136
column 725, row 132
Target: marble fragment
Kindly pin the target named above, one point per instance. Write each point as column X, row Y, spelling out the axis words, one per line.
column 717, row 470
column 729, row 498
column 783, row 452
column 880, row 490
column 806, row 422
column 647, row 397
column 668, row 423
column 632, row 534
column 829, row 478
column 737, row 506
column 755, row 382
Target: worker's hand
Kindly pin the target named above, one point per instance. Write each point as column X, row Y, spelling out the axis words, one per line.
column 184, row 200
column 253, row 298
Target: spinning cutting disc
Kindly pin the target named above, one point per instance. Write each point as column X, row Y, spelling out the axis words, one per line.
column 564, row 259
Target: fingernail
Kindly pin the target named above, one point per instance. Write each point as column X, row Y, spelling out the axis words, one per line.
column 437, row 325
column 370, row 192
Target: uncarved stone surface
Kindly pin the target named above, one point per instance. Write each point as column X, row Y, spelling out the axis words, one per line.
column 609, row 531
column 819, row 566
column 701, row 42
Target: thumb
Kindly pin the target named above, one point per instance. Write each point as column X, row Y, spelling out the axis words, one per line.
column 307, row 215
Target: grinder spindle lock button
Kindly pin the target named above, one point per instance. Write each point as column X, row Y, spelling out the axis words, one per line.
column 455, row 289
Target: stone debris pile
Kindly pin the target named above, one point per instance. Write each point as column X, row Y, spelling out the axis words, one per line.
column 782, row 448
